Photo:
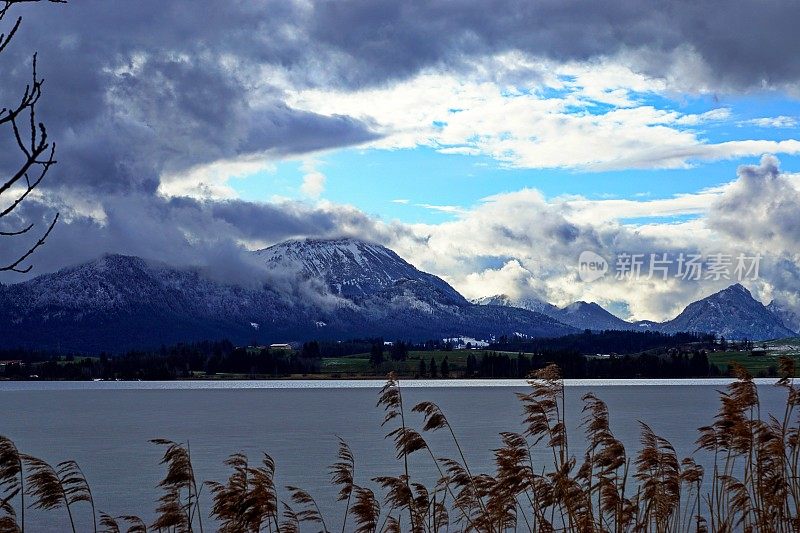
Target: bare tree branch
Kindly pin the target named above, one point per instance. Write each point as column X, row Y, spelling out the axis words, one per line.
column 31, row 139
column 14, row 267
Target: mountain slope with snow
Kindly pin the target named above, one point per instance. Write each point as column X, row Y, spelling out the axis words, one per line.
column 586, row 315
column 527, row 302
column 392, row 297
column 580, row 315
column 350, row 268
column 732, row 313
column 311, row 290
column 118, row 302
column 786, row 315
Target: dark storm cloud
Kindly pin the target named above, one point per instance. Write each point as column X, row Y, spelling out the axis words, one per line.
column 182, row 232
column 139, row 88
column 136, row 89
column 743, row 43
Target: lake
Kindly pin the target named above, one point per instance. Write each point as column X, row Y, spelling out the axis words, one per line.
column 106, row 426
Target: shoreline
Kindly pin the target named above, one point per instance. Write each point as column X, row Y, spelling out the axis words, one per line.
column 312, row 384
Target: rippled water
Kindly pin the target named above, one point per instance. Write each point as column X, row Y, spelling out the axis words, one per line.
column 105, row 426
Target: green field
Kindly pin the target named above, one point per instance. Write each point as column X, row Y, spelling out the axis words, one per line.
column 359, row 363
column 763, row 365
column 351, row 364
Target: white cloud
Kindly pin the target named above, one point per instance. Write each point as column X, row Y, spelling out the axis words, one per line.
column 521, row 243
column 449, row 209
column 510, row 279
column 781, row 121
column 313, row 180
column 211, row 181
column 534, row 114
column 579, row 209
column 715, row 115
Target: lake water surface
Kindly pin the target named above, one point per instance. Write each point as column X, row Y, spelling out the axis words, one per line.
column 106, row 426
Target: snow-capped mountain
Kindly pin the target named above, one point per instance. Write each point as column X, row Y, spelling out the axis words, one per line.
column 391, row 296
column 312, row 289
column 531, row 303
column 323, row 289
column 788, row 317
column 732, row 313
column 120, row 302
column 580, row 315
column 351, row 268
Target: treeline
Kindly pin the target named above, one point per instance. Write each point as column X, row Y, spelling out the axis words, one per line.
column 167, row 363
column 657, row 356
column 573, row 365
column 606, row 342
column 380, row 348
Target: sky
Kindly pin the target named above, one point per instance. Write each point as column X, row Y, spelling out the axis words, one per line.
column 491, row 143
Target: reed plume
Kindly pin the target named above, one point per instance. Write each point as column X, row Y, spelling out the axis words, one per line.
column 12, row 484
column 76, row 488
column 135, row 524
column 109, row 523
column 175, row 511
column 367, row 511
column 658, row 471
column 230, row 499
column 249, row 500
column 406, row 441
column 56, row 488
column 290, row 523
column 343, row 476
column 310, row 512
column 467, row 499
column 8, row 518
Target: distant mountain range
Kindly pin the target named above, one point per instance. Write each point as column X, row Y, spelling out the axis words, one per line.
column 311, row 289
column 580, row 315
column 732, row 313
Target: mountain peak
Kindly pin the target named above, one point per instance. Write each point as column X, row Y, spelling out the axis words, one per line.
column 581, row 315
column 495, row 299
column 317, row 253
column 737, row 288
column 580, row 304
column 352, row 268
column 591, row 315
column 326, row 242
column 732, row 313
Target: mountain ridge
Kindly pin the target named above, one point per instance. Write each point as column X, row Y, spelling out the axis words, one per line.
column 731, row 312
column 581, row 315
column 336, row 289
column 116, row 302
